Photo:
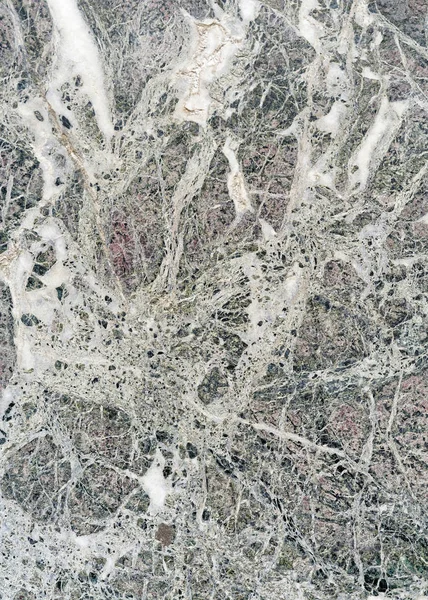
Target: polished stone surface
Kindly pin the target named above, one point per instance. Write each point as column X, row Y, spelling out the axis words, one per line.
column 213, row 265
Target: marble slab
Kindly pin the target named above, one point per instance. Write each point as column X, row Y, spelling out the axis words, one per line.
column 213, row 299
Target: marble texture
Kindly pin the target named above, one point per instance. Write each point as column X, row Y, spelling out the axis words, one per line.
column 213, row 299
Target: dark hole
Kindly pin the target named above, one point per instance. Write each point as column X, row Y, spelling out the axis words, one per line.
column 192, row 451
column 59, row 292
column 66, row 122
column 40, row 269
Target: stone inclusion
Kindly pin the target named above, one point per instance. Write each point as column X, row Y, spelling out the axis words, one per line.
column 213, row 299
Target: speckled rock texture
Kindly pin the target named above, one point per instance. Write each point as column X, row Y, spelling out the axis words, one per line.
column 213, row 299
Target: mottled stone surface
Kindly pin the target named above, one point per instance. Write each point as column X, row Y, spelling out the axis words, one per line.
column 213, row 299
